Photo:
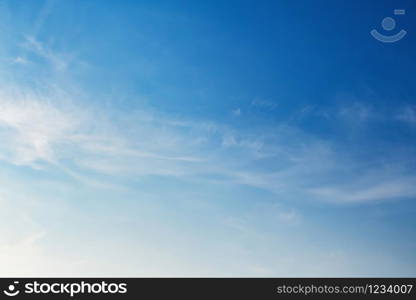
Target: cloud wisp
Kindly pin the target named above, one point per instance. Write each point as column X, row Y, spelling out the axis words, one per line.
column 42, row 130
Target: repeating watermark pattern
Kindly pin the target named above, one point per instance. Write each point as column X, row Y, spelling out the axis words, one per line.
column 388, row 24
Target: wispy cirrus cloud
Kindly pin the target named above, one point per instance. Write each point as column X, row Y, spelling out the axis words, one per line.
column 32, row 127
column 407, row 114
column 52, row 128
column 265, row 104
column 44, row 130
column 59, row 61
column 392, row 189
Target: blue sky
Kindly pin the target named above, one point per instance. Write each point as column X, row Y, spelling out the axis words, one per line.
column 195, row 138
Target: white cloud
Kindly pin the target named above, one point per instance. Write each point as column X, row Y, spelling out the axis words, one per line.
column 59, row 61
column 356, row 112
column 236, row 112
column 51, row 131
column 20, row 60
column 265, row 104
column 408, row 115
column 32, row 127
column 395, row 188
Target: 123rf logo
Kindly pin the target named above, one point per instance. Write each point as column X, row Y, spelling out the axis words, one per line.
column 71, row 289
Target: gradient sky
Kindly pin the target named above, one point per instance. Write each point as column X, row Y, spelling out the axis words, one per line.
column 206, row 138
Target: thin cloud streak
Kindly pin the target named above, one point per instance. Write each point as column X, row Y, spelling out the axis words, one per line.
column 40, row 133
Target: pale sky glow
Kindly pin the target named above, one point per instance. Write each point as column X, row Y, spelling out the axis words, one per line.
column 152, row 139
